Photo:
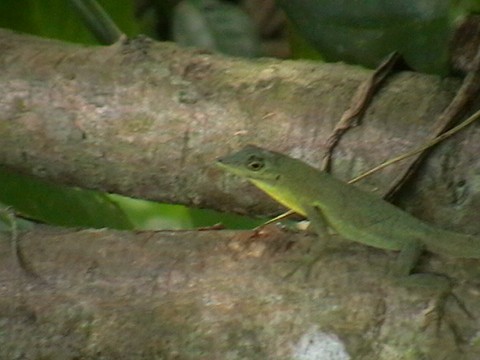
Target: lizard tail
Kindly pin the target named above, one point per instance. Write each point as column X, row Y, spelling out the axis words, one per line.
column 454, row 244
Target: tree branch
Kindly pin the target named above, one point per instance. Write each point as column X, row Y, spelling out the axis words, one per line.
column 147, row 120
column 193, row 295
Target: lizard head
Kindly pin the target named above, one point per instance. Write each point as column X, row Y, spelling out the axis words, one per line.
column 274, row 173
column 253, row 163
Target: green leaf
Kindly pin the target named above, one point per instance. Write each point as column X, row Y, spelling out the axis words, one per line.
column 58, row 19
column 74, row 207
column 365, row 32
column 149, row 215
column 60, row 205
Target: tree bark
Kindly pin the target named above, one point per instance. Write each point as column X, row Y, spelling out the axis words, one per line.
column 148, row 119
column 220, row 294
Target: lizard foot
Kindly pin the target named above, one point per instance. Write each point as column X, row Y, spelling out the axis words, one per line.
column 436, row 313
column 304, row 264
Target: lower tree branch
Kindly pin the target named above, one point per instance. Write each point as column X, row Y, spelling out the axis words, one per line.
column 210, row 294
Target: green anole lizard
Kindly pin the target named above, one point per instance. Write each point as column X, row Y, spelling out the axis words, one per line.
column 352, row 213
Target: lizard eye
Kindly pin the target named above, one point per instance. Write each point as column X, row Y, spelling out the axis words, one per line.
column 255, row 164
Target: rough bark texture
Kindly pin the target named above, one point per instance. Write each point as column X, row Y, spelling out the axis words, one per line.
column 219, row 295
column 148, row 119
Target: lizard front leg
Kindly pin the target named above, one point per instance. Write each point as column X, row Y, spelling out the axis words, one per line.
column 320, row 227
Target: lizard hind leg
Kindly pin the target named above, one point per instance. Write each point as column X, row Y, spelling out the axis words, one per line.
column 442, row 284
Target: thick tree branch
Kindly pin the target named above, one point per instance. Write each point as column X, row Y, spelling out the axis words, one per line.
column 208, row 295
column 148, row 119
